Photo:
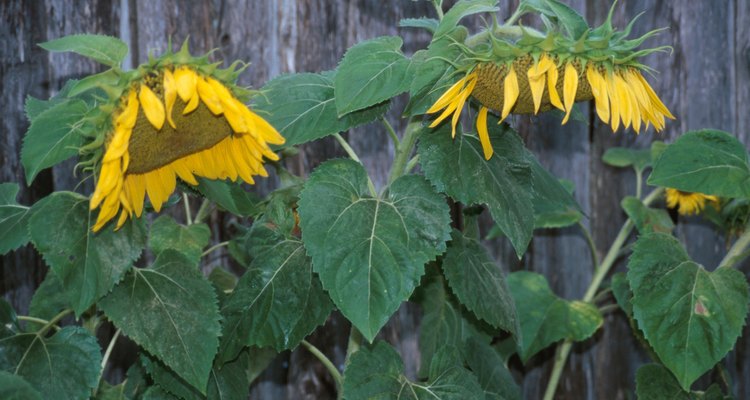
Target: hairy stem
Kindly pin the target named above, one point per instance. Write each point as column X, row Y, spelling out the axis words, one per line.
column 214, row 247
column 186, row 202
column 563, row 350
column 403, row 152
column 353, row 155
column 53, row 321
column 36, row 320
column 736, row 252
column 391, row 132
column 203, row 211
column 326, row 363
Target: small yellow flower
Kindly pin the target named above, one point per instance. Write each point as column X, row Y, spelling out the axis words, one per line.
column 688, row 203
column 213, row 135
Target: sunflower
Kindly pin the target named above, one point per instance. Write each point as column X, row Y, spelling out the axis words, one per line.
column 688, row 203
column 539, row 72
column 175, row 121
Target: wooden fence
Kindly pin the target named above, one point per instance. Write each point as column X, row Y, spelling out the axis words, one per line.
column 705, row 81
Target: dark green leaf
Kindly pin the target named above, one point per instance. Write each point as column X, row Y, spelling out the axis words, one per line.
column 170, row 310
column 222, row 279
column 229, row 381
column 189, row 240
column 546, row 318
column 67, row 365
column 376, row 372
column 158, row 393
column 48, row 300
column 430, row 24
column 279, row 300
column 371, row 72
column 110, row 392
column 14, row 218
column 301, row 107
column 13, row 387
column 229, row 196
column 691, row 317
column 625, row 157
column 647, row 219
column 88, row 264
column 491, row 372
column 445, row 322
column 623, row 294
column 462, row 9
column 8, row 320
column 107, row 50
column 53, row 137
column 652, row 381
column 554, row 205
column 136, row 381
column 478, row 283
column 458, row 168
column 696, row 161
column 370, row 252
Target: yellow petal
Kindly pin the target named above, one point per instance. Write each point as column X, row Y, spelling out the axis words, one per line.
column 554, row 97
column 484, row 135
column 137, row 189
column 655, row 101
column 536, row 85
column 641, row 98
column 460, row 105
column 614, row 104
column 209, row 96
column 570, row 86
column 152, row 107
column 510, row 92
column 119, row 144
column 265, row 129
column 110, row 173
column 541, row 67
column 450, row 94
column 129, row 114
column 599, row 90
column 623, row 97
column 192, row 104
column 154, row 189
column 170, row 95
column 186, row 81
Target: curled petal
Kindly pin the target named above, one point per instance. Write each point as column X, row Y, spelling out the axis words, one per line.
column 152, row 107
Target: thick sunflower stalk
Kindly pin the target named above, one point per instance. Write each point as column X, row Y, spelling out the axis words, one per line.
column 536, row 71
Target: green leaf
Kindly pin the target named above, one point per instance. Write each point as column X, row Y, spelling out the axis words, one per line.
column 53, row 137
column 546, row 318
column 109, row 77
column 136, row 381
column 567, row 17
column 14, row 219
column 107, row 50
column 88, row 264
column 461, row 9
column 690, row 316
column 13, row 387
column 625, row 157
column 478, row 283
column 229, row 196
column 67, row 365
column 227, row 381
column 652, row 381
column 429, row 24
column 170, row 310
column 647, row 219
column 371, row 72
column 458, row 168
column 554, row 205
column 707, row 161
column 491, row 371
column 48, row 300
column 189, row 240
column 279, row 300
column 434, row 71
column 158, row 393
column 370, row 252
column 623, row 294
column 376, row 372
column 444, row 323
column 110, row 392
column 302, row 108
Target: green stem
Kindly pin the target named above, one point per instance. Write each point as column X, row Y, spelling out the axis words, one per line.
column 214, row 247
column 353, row 155
column 607, row 308
column 203, row 211
column 391, row 132
column 53, row 321
column 355, row 342
column 185, row 201
column 638, row 183
column 736, row 252
column 412, row 163
column 438, row 9
column 600, row 273
column 591, row 244
column 413, row 129
column 107, row 353
column 326, row 363
column 36, row 320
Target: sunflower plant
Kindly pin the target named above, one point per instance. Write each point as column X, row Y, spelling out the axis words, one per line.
column 177, row 131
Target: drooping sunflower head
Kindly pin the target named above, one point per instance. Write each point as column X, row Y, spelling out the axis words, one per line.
column 175, row 117
column 512, row 69
column 688, row 203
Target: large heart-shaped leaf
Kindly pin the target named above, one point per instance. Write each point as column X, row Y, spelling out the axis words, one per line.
column 67, row 365
column 690, row 316
column 546, row 318
column 88, row 264
column 370, row 252
column 170, row 310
